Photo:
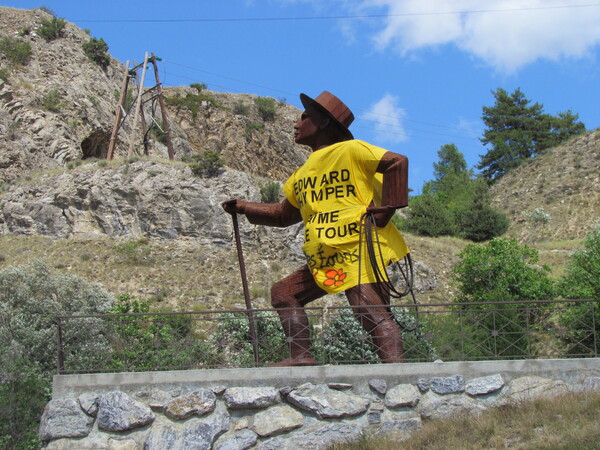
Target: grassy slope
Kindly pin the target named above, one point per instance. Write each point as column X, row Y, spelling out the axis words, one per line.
column 186, row 275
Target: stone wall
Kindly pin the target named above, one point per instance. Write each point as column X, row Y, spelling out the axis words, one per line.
column 275, row 408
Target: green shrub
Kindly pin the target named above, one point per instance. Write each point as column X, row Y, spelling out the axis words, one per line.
column 30, row 299
column 343, row 340
column 538, row 216
column 191, row 102
column 16, row 52
column 4, row 75
column 97, row 51
column 269, row 193
column 427, row 215
column 27, row 328
column 481, row 222
column 582, row 281
column 241, row 109
column 52, row 29
column 234, row 342
column 134, row 251
column 51, row 101
column 153, row 341
column 399, row 221
column 198, row 86
column 501, row 271
column 267, row 107
column 251, row 127
column 24, row 392
column 47, row 10
column 207, row 165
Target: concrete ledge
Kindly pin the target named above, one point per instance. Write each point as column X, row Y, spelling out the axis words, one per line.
column 568, row 370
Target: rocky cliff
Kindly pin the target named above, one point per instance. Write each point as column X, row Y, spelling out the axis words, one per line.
column 58, row 106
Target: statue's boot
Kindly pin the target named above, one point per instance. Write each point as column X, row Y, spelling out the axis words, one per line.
column 387, row 339
column 297, row 332
column 370, row 307
column 289, row 296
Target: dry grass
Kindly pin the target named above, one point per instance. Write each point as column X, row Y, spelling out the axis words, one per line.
column 567, row 422
column 185, row 274
column 179, row 275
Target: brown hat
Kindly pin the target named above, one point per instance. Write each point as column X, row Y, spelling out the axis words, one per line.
column 333, row 107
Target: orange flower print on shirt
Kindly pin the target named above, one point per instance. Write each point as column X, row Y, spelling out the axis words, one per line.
column 334, row 277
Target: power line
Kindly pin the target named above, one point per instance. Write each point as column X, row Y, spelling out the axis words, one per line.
column 463, row 141
column 226, row 77
column 392, row 129
column 336, row 17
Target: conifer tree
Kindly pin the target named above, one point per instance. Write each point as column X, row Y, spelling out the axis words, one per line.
column 518, row 130
column 514, row 131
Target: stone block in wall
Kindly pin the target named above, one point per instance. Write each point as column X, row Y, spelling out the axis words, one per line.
column 434, row 406
column 89, row 403
column 200, row 433
column 63, row 418
column 379, row 386
column 327, row 403
column 402, row 396
column 251, row 397
column 591, row 384
column 155, row 398
column 531, row 387
column 277, row 419
column 402, row 426
column 447, row 385
column 238, row 440
column 117, row 411
column 197, row 403
column 484, row 385
column 319, row 436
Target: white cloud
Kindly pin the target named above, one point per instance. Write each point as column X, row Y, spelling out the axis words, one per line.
column 506, row 34
column 385, row 117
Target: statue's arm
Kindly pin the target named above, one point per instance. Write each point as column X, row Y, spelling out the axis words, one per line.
column 281, row 214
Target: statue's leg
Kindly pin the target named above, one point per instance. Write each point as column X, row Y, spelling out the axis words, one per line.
column 369, row 302
column 289, row 297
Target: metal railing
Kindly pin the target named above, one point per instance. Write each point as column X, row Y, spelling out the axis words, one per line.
column 220, row 339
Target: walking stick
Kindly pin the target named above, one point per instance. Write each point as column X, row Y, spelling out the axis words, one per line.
column 238, row 245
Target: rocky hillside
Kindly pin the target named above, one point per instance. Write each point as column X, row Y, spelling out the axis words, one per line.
column 59, row 107
column 56, row 106
column 555, row 196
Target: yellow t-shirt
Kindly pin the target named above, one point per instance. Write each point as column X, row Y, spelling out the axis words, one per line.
column 332, row 191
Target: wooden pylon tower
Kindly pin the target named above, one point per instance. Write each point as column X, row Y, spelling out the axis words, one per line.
column 123, row 112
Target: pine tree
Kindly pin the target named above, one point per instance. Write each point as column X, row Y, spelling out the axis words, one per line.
column 514, row 131
column 450, row 171
column 517, row 131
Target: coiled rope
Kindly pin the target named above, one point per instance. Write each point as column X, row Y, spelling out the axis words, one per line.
column 368, row 229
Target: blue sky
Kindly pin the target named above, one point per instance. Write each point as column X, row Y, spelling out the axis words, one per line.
column 416, row 73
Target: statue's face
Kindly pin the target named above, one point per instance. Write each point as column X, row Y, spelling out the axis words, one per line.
column 307, row 127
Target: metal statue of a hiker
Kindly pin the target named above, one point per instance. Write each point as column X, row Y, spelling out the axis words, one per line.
column 345, row 193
